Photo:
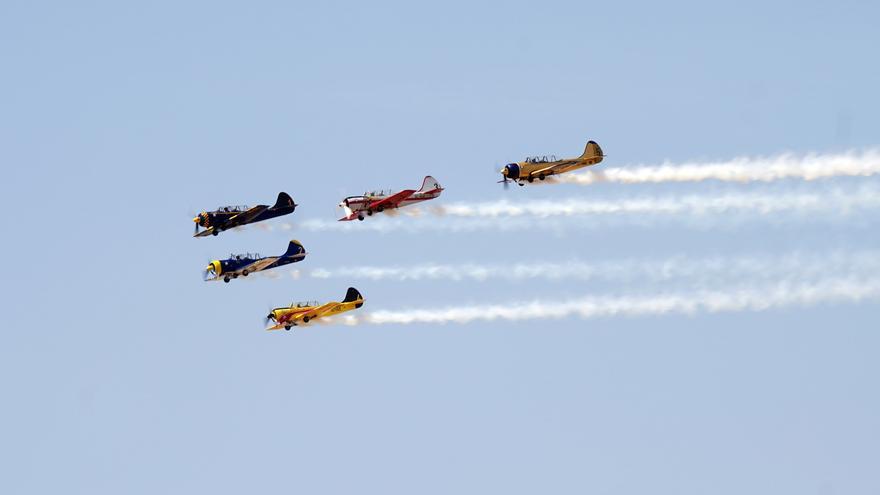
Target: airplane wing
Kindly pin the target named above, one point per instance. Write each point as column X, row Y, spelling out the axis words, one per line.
column 551, row 169
column 254, row 267
column 393, row 200
column 204, row 233
column 318, row 311
column 244, row 217
column 258, row 265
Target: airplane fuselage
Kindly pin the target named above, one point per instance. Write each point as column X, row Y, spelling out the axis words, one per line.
column 362, row 203
column 541, row 168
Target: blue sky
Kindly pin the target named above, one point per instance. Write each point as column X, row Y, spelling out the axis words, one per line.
column 123, row 371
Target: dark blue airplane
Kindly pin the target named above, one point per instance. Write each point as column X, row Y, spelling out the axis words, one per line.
column 227, row 217
column 244, row 264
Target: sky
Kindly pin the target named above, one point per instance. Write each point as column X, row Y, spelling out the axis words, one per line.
column 122, row 371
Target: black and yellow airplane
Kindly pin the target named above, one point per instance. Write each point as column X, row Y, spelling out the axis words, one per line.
column 542, row 167
column 304, row 312
column 227, row 217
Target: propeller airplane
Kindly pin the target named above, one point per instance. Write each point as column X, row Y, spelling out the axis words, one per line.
column 379, row 201
column 542, row 167
column 245, row 264
column 304, row 312
column 227, row 217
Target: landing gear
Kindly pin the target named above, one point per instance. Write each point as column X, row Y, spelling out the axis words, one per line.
column 215, row 232
column 380, row 209
column 361, row 218
column 531, row 179
column 226, row 279
column 306, row 319
column 244, row 273
column 287, row 327
column 369, row 213
column 541, row 176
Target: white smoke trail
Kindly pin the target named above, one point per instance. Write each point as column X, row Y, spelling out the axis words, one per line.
column 745, row 169
column 791, row 266
column 834, row 202
column 836, row 290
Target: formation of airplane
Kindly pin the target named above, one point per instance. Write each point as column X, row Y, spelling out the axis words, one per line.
column 355, row 207
column 379, row 201
column 542, row 167
column 245, row 264
column 227, row 217
column 304, row 312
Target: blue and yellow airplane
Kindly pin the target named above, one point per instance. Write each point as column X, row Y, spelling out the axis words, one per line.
column 245, row 264
column 541, row 167
column 227, row 217
column 304, row 312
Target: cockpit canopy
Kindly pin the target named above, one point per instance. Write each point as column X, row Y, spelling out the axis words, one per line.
column 304, row 304
column 542, row 159
column 232, row 209
column 379, row 192
column 244, row 256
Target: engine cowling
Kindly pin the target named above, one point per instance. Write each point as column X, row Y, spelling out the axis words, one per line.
column 511, row 171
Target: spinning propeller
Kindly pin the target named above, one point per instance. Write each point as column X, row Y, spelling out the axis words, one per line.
column 505, row 180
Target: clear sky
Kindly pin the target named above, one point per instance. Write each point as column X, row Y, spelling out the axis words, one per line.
column 122, row 372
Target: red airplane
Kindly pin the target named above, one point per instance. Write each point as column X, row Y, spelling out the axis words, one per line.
column 379, row 201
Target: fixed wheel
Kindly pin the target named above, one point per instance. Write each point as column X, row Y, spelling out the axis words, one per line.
column 215, row 232
column 306, row 319
column 287, row 327
column 226, row 279
column 541, row 177
column 369, row 213
column 531, row 179
column 361, row 218
column 520, row 184
column 380, row 209
column 244, row 273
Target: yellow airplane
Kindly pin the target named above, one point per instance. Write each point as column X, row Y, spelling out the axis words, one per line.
column 304, row 312
column 542, row 167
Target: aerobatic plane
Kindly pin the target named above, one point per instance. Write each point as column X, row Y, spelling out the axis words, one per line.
column 304, row 312
column 227, row 217
column 542, row 167
column 379, row 201
column 245, row 264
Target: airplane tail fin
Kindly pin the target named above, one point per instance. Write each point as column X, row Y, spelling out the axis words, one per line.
column 352, row 295
column 593, row 151
column 429, row 184
column 284, row 201
column 295, row 248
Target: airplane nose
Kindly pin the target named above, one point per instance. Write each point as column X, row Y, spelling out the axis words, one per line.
column 511, row 171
